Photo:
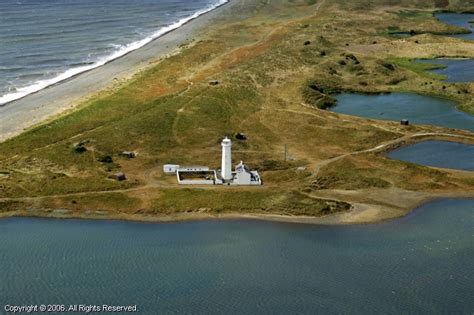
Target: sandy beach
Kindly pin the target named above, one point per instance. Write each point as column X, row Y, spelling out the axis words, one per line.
column 54, row 100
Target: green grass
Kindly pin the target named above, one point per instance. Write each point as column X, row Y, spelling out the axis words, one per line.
column 9, row 205
column 415, row 14
column 47, row 183
column 345, row 174
column 191, row 200
column 419, row 68
column 109, row 126
column 232, row 200
column 316, row 97
column 106, row 201
column 297, row 203
column 377, row 171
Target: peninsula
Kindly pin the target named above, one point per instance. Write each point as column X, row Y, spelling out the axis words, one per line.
column 266, row 74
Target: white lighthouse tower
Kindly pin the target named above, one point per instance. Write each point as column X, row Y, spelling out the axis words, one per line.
column 226, row 169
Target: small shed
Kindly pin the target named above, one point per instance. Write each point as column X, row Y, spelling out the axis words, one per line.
column 213, row 82
column 404, row 122
column 119, row 176
column 128, row 154
column 240, row 136
column 170, row 169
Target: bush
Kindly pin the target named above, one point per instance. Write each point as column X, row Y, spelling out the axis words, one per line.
column 388, row 66
column 105, row 159
column 80, row 149
column 318, row 95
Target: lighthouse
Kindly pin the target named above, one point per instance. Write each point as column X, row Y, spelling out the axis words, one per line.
column 226, row 169
column 203, row 175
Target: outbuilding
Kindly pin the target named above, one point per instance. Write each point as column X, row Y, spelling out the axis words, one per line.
column 241, row 136
column 119, row 176
column 170, row 169
column 128, row 154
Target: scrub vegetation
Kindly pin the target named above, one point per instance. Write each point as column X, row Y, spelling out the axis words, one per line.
column 279, row 64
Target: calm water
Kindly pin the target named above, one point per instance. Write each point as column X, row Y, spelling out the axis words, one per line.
column 418, row 109
column 420, row 264
column 438, row 154
column 457, row 70
column 461, row 20
column 46, row 41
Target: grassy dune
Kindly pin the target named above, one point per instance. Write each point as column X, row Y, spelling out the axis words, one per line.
column 277, row 62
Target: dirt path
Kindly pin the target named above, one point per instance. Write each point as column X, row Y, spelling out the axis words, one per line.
column 319, row 5
column 386, row 145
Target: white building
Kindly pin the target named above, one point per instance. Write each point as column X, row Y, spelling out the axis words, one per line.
column 202, row 175
column 170, row 169
column 244, row 176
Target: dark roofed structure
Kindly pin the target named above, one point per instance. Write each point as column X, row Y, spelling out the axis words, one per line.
column 119, row 176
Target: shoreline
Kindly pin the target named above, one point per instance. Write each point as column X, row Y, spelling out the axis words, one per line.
column 39, row 107
column 360, row 214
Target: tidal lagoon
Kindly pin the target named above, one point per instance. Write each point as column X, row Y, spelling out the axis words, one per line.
column 418, row 109
column 456, row 70
column 460, row 20
column 442, row 154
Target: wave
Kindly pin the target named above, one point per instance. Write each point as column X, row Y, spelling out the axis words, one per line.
column 122, row 51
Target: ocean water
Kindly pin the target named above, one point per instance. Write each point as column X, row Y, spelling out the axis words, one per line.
column 419, row 264
column 43, row 42
column 456, row 70
column 418, row 109
column 443, row 154
column 461, row 20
